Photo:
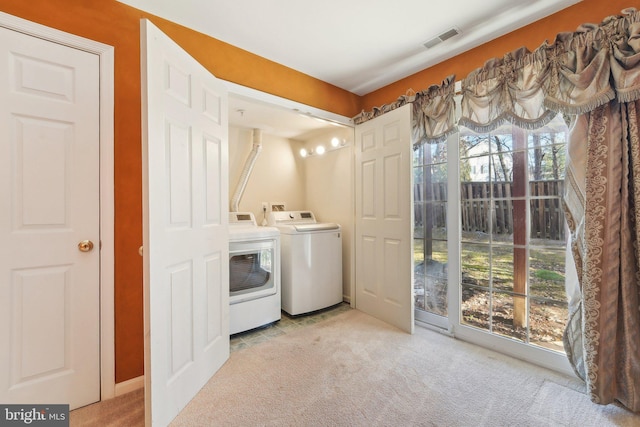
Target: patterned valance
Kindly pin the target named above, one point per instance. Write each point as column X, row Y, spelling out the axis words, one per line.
column 576, row 73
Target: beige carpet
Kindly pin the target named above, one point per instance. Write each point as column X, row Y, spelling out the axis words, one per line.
column 353, row 370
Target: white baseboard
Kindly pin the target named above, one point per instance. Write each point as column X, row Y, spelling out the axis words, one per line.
column 130, row 385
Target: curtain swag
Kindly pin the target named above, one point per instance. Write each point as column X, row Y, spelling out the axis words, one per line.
column 434, row 113
column 433, row 118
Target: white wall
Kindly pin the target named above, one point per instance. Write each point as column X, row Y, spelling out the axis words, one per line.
column 277, row 175
column 329, row 192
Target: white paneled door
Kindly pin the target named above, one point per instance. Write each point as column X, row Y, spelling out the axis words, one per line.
column 49, row 220
column 384, row 221
column 186, row 252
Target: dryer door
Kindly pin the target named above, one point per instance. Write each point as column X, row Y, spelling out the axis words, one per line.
column 252, row 270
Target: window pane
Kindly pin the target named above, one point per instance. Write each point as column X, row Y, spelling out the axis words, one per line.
column 418, row 184
column 475, row 209
column 501, row 143
column 546, row 273
column 553, row 188
column 502, row 264
column 439, row 173
column 508, row 315
column 475, row 307
column 547, row 163
column 435, row 153
column 547, row 321
column 431, row 276
column 418, row 251
column 418, row 273
column 502, row 167
column 435, row 221
column 502, row 228
column 435, row 295
column 502, row 189
column 474, row 145
column 418, row 219
column 475, row 264
column 475, row 169
column 554, row 133
column 417, row 154
column 436, row 254
column 435, row 182
column 473, row 192
column 475, row 237
column 547, row 221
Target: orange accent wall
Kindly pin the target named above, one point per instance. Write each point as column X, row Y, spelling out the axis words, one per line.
column 115, row 24
column 531, row 36
column 227, row 62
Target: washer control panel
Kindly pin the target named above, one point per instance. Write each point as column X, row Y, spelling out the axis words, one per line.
column 291, row 218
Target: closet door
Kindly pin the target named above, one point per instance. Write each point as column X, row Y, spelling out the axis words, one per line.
column 49, row 221
column 384, row 273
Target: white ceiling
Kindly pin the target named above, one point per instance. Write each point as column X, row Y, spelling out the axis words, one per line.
column 357, row 45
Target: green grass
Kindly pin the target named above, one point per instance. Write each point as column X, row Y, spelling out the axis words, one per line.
column 549, row 275
column 546, row 268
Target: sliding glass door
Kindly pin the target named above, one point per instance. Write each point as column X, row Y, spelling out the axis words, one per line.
column 512, row 250
column 489, row 238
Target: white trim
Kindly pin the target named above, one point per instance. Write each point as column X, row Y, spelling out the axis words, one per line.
column 454, row 232
column 130, row 385
column 107, row 222
column 434, row 328
column 352, row 224
column 106, row 55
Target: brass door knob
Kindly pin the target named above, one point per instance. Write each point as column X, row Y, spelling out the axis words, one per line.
column 85, row 246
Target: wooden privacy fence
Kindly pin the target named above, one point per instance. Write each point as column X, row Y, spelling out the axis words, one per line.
column 481, row 215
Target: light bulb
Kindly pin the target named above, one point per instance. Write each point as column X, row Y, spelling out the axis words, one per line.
column 335, row 142
column 303, row 152
column 320, row 149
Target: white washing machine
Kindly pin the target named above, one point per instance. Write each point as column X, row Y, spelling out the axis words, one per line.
column 311, row 261
column 254, row 273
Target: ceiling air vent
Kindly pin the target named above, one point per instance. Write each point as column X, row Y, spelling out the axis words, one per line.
column 442, row 37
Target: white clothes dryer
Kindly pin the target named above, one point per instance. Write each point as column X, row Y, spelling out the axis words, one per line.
column 311, row 261
column 254, row 273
